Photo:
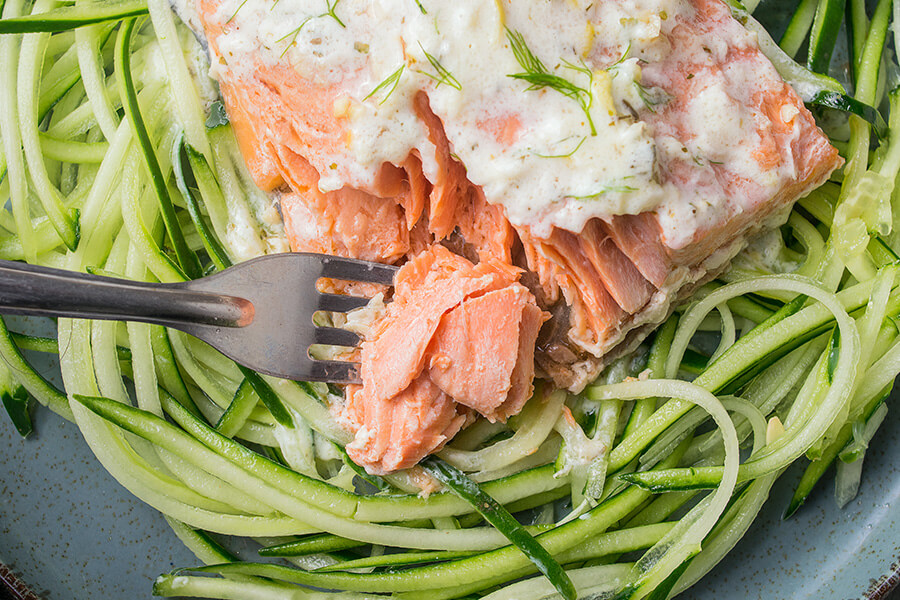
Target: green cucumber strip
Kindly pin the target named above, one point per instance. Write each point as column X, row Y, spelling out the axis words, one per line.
column 197, row 162
column 500, row 518
column 71, row 151
column 662, row 591
column 167, row 371
column 199, row 436
column 51, row 346
column 34, row 382
column 847, row 104
column 834, row 353
column 693, row 362
column 213, row 587
column 376, row 481
column 268, row 396
column 656, row 363
column 881, row 252
column 71, row 17
column 872, row 50
column 17, row 403
column 395, row 560
column 855, row 450
column 187, row 260
column 798, row 27
column 857, row 25
column 319, row 543
column 788, row 310
column 465, row 575
column 37, row 344
column 238, row 411
column 311, row 544
column 817, row 468
column 200, row 543
column 822, row 38
column 749, row 309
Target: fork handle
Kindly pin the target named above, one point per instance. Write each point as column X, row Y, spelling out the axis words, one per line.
column 42, row 291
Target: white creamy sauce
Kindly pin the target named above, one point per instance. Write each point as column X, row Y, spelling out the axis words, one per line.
column 530, row 148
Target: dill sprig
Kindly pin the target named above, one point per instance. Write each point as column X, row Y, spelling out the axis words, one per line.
column 329, row 12
column 567, row 154
column 295, row 33
column 443, row 75
column 240, row 6
column 538, row 76
column 391, row 81
column 621, row 59
column 651, row 99
column 613, row 188
column 421, row 8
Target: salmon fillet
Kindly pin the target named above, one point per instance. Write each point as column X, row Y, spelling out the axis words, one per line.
column 607, row 281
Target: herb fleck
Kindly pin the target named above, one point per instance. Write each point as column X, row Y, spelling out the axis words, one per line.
column 421, row 8
column 217, row 115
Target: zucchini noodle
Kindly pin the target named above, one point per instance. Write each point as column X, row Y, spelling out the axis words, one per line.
column 109, row 164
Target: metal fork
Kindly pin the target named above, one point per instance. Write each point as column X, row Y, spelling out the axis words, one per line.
column 259, row 313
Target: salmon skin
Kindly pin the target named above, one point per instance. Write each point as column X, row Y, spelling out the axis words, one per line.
column 732, row 148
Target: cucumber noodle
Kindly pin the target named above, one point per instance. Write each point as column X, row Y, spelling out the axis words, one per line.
column 107, row 164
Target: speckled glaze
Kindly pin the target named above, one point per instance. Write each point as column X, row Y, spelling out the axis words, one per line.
column 69, row 531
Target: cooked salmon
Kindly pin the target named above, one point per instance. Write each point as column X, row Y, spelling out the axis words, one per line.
column 458, row 337
column 706, row 145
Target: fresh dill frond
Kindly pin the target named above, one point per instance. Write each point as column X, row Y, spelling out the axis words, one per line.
column 421, row 8
column 615, row 188
column 650, row 99
column 621, row 59
column 391, row 81
column 538, row 76
column 443, row 75
column 330, row 12
column 566, row 155
column 240, row 6
column 295, row 33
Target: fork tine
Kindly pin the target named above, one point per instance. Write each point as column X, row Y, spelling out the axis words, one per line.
column 340, row 303
column 335, row 337
column 351, row 269
column 334, row 371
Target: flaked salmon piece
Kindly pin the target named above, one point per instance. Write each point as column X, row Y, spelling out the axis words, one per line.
column 458, row 336
column 471, row 359
column 425, row 289
column 396, row 433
